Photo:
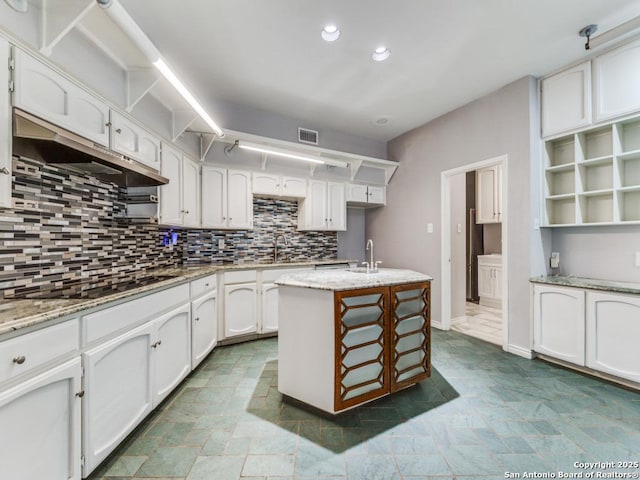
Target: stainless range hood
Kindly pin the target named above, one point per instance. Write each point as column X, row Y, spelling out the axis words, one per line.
column 41, row 140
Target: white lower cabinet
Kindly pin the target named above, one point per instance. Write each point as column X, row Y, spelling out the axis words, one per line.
column 613, row 330
column 558, row 323
column 240, row 312
column 40, row 419
column 118, row 386
column 269, row 317
column 490, row 280
column 204, row 326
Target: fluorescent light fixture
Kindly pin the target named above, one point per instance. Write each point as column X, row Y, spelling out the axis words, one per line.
column 186, row 94
column 120, row 16
column 330, row 33
column 254, row 147
column 623, row 30
column 380, row 54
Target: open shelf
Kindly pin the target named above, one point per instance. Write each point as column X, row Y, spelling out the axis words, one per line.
column 629, row 169
column 596, row 176
column 629, row 205
column 629, row 135
column 560, row 151
column 561, row 182
column 561, row 211
column 594, row 144
column 596, row 207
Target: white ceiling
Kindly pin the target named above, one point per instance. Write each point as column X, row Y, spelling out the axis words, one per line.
column 268, row 54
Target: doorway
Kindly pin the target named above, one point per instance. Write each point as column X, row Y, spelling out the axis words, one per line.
column 474, row 251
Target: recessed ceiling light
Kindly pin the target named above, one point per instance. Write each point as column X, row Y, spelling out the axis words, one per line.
column 381, row 121
column 380, row 54
column 330, row 33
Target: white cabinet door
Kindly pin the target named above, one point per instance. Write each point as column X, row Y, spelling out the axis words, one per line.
column 488, row 195
column 357, row 193
column 40, row 434
column 269, row 319
column 616, row 77
column 485, row 281
column 337, row 206
column 497, row 283
column 558, row 322
column 133, row 141
column 190, row 193
column 266, row 184
column 240, row 309
column 5, row 129
column 294, row 187
column 376, row 195
column 204, row 327
column 47, row 94
column 566, row 100
column 171, row 193
column 317, row 213
column 239, row 200
column 214, row 197
column 613, row 330
column 172, row 350
column 118, row 392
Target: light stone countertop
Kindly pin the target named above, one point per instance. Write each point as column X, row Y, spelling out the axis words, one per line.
column 590, row 283
column 16, row 314
column 350, row 280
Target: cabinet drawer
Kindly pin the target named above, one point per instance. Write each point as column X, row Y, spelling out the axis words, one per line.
column 37, row 348
column 242, row 276
column 202, row 285
column 129, row 314
column 272, row 275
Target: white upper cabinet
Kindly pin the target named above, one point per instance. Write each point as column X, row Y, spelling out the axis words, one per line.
column 133, row 141
column 325, row 207
column 616, row 80
column 190, row 193
column 366, row 195
column 270, row 185
column 489, row 195
column 226, row 198
column 171, row 193
column 337, row 206
column 566, row 100
column 5, row 129
column 47, row 94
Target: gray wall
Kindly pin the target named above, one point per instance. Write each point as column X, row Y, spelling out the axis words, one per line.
column 598, row 252
column 500, row 123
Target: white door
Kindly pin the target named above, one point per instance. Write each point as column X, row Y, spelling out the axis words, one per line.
column 617, row 78
column 172, row 350
column 240, row 309
column 239, row 200
column 317, row 217
column 566, row 100
column 266, row 184
column 171, row 193
column 376, row 195
column 190, row 193
column 5, row 129
column 337, row 206
column 214, row 197
column 294, row 187
column 486, row 187
column 118, row 392
column 613, row 330
column 204, row 327
column 40, row 433
column 269, row 320
column 47, row 94
column 485, row 281
column 558, row 322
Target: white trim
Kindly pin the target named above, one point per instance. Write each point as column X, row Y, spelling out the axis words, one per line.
column 521, row 352
column 445, row 267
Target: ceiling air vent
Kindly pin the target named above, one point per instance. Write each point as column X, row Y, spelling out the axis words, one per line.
column 307, row 136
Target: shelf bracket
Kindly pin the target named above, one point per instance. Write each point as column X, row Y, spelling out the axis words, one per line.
column 354, row 165
column 206, row 141
column 139, row 82
column 58, row 18
column 388, row 173
column 312, row 169
column 263, row 161
column 181, row 121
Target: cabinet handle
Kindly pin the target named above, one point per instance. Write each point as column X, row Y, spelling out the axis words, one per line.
column 5, row 170
column 108, row 124
column 206, row 285
column 197, row 319
column 157, row 344
column 80, row 394
column 118, row 130
column 186, row 212
column 19, row 359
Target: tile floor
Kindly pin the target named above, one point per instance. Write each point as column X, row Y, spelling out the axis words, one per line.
column 480, row 322
column 484, row 412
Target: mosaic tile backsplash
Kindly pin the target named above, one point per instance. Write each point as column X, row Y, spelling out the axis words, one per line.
column 64, row 232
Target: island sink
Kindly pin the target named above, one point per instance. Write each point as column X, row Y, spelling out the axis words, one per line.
column 347, row 339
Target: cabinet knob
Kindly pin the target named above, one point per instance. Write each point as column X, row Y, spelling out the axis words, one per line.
column 108, row 124
column 206, row 285
column 118, row 130
column 19, row 359
column 197, row 319
column 80, row 394
column 5, row 170
column 186, row 212
column 157, row 344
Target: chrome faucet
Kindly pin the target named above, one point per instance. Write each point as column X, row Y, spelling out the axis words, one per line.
column 371, row 264
column 275, row 246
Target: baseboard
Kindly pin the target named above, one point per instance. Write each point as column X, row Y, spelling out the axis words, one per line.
column 437, row 325
column 521, row 352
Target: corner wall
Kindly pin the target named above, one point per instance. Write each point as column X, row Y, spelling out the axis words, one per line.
column 498, row 124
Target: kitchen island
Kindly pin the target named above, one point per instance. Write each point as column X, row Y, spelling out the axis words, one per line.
column 347, row 337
